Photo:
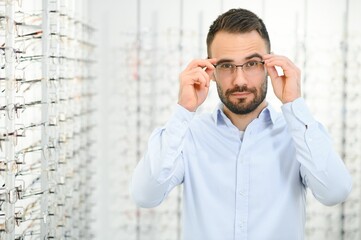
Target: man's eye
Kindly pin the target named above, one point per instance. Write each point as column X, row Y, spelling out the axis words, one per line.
column 250, row 64
column 226, row 66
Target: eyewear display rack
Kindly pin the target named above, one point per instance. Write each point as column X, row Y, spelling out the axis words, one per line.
column 46, row 120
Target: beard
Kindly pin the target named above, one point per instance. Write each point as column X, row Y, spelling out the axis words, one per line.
column 242, row 106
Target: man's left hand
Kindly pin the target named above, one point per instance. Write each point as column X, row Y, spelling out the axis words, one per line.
column 287, row 87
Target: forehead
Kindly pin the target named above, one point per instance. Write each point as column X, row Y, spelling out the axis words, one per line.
column 237, row 45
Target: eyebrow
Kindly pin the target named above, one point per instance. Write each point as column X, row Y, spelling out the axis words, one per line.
column 254, row 55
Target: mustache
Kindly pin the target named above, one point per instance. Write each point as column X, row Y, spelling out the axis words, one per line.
column 243, row 88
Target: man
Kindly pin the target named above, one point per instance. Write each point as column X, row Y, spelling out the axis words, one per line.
column 245, row 167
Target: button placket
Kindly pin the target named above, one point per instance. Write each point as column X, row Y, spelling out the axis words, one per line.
column 242, row 190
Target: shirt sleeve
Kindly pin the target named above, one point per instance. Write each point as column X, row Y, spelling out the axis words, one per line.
column 161, row 168
column 322, row 169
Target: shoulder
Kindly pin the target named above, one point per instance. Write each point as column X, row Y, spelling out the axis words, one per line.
column 204, row 119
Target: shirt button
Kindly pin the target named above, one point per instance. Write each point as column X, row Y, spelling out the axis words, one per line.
column 241, row 224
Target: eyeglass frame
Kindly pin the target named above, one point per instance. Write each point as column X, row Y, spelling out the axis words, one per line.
column 239, row 65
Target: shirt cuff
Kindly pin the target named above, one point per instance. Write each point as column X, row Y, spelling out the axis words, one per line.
column 180, row 119
column 297, row 114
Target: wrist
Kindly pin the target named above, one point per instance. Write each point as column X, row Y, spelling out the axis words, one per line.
column 289, row 100
column 290, row 96
column 187, row 107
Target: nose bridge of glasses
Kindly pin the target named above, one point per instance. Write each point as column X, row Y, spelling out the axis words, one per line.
column 239, row 75
column 241, row 66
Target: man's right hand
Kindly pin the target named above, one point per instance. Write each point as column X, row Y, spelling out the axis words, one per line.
column 194, row 83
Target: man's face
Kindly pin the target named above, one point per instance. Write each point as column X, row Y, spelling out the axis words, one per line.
column 243, row 90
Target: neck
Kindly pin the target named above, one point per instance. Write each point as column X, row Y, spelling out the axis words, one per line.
column 241, row 121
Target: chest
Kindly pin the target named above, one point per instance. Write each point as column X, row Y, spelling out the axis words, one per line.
column 222, row 160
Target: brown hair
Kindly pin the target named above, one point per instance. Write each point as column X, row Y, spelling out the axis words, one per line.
column 237, row 21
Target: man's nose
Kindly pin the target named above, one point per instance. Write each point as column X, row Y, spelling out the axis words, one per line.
column 240, row 78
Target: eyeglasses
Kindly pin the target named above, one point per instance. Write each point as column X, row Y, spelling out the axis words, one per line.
column 250, row 69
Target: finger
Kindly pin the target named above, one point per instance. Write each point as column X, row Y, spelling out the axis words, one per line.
column 203, row 63
column 287, row 66
column 272, row 72
column 268, row 56
column 208, row 76
column 271, row 55
column 197, row 75
column 280, row 62
column 201, row 73
column 271, row 58
column 210, row 70
column 212, row 60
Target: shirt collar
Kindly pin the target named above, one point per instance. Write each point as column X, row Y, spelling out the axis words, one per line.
column 267, row 114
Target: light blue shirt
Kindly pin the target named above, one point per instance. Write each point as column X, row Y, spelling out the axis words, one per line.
column 249, row 185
